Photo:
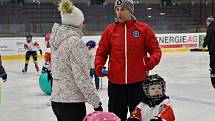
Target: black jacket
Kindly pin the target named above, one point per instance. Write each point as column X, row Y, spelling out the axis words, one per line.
column 3, row 74
column 210, row 38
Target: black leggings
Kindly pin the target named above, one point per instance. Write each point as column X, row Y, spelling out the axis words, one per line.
column 69, row 111
column 29, row 54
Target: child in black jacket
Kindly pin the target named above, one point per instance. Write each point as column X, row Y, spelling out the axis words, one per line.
column 3, row 74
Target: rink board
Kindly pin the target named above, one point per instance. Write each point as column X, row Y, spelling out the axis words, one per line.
column 13, row 48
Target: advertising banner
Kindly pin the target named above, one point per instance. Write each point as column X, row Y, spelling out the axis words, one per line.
column 15, row 45
column 201, row 39
column 8, row 46
column 184, row 40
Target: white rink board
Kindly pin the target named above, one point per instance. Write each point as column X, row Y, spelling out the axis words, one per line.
column 15, row 45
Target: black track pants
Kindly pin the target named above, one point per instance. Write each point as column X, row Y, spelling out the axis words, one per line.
column 124, row 97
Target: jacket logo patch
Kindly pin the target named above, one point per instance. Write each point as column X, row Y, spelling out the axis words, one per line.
column 136, row 34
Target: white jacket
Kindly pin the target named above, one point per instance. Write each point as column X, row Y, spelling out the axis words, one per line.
column 70, row 69
column 163, row 110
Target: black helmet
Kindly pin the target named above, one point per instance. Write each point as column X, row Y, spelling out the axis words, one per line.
column 154, row 80
column 28, row 35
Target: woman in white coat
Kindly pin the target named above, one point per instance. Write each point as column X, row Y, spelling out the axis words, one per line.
column 72, row 84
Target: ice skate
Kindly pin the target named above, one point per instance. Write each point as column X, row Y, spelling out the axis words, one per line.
column 97, row 86
column 37, row 69
column 24, row 70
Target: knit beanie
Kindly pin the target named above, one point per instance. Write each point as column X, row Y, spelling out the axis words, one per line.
column 210, row 19
column 70, row 15
column 126, row 3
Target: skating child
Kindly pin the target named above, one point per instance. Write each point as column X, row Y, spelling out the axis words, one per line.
column 3, row 74
column 31, row 50
column 156, row 106
column 47, row 66
column 92, row 51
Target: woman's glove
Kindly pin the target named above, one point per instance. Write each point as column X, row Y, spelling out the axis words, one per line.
column 99, row 108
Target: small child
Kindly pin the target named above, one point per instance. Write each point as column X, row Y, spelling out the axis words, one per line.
column 3, row 74
column 47, row 66
column 156, row 106
column 31, row 48
column 92, row 52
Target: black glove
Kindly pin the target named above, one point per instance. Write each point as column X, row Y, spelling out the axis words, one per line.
column 4, row 77
column 156, row 119
column 41, row 52
column 133, row 119
column 99, row 108
column 44, row 69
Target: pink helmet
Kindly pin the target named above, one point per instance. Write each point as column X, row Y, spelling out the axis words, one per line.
column 47, row 37
column 101, row 116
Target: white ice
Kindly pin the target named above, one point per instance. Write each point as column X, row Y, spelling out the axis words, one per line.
column 186, row 74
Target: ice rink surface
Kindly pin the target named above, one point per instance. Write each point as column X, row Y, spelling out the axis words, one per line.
column 186, row 74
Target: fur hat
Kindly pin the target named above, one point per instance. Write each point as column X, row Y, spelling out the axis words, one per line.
column 126, row 3
column 70, row 14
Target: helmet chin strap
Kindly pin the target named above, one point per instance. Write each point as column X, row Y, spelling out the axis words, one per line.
column 156, row 100
column 156, row 97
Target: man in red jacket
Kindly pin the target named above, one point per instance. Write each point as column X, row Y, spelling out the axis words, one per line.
column 133, row 50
